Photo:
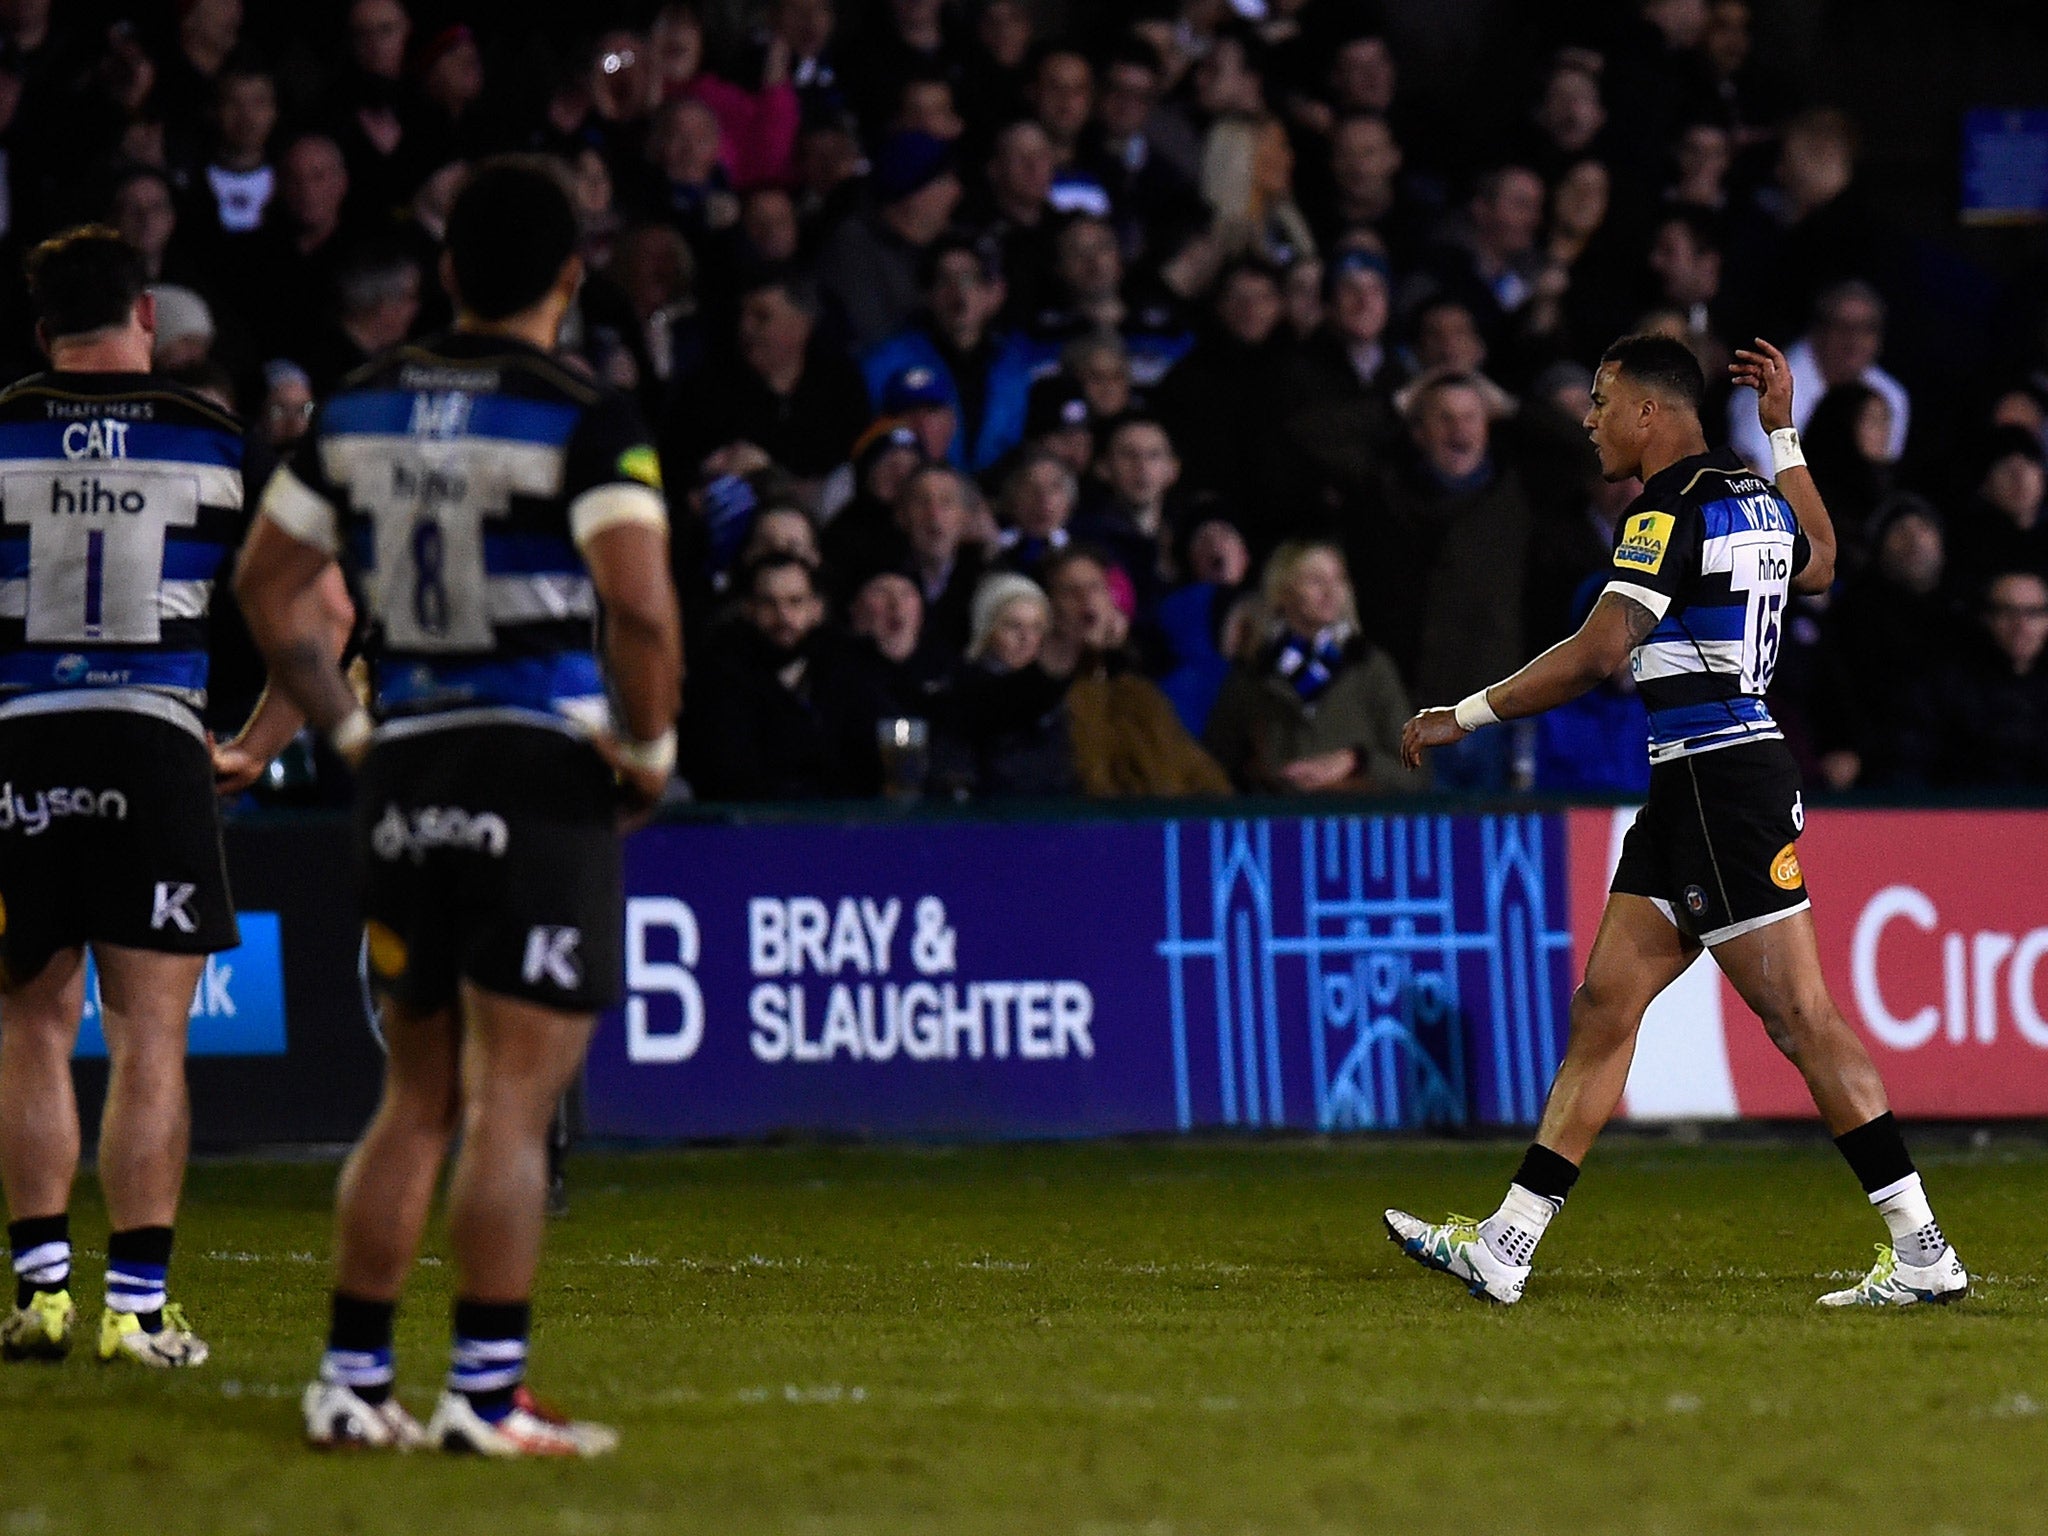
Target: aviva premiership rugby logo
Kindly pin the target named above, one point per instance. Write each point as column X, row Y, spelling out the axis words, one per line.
column 1644, row 541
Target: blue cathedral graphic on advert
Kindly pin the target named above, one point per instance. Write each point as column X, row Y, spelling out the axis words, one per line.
column 1365, row 973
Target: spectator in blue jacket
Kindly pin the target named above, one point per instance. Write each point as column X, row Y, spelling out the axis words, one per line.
column 983, row 375
column 1599, row 744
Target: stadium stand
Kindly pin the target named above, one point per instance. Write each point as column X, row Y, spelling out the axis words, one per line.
column 1251, row 273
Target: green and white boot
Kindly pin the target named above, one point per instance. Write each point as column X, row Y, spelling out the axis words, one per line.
column 1892, row 1283
column 1457, row 1249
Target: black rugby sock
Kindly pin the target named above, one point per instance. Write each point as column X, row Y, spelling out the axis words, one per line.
column 41, row 1249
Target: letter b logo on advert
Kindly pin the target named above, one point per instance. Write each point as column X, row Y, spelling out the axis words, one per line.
column 664, row 1003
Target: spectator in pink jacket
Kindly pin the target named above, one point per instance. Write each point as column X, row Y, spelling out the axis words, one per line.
column 757, row 128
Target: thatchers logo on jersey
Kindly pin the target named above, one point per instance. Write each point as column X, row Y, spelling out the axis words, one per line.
column 32, row 817
column 1644, row 541
column 238, row 1006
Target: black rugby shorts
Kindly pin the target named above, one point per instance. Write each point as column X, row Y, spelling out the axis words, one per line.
column 490, row 854
column 109, row 832
column 1716, row 843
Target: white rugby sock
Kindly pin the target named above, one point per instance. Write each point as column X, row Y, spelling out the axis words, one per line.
column 1916, row 1235
column 1513, row 1231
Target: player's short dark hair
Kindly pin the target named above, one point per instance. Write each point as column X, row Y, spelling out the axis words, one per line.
column 83, row 280
column 1662, row 364
column 510, row 231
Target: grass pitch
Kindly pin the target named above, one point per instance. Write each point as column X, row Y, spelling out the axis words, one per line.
column 1168, row 1339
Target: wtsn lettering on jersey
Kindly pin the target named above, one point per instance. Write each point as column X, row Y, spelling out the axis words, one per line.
column 120, row 506
column 458, row 479
column 1710, row 549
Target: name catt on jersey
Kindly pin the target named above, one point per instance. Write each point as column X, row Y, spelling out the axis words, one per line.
column 120, row 506
column 1710, row 548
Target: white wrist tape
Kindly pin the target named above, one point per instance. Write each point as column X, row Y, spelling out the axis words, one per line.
column 656, row 756
column 1473, row 712
column 1785, row 450
column 353, row 734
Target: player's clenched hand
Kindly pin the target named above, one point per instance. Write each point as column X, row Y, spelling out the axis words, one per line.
column 235, row 767
column 642, row 788
column 1431, row 728
column 1765, row 371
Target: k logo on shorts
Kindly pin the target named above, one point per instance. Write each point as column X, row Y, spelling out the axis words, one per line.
column 167, row 909
column 551, row 957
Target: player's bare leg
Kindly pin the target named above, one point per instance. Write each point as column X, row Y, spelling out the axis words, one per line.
column 517, row 1060
column 1776, row 969
column 1637, row 953
column 381, row 1205
column 39, row 1142
column 387, row 1185
column 145, row 1138
column 146, row 1127
column 39, row 1154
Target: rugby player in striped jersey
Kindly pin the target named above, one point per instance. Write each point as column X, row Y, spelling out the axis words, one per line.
column 1705, row 562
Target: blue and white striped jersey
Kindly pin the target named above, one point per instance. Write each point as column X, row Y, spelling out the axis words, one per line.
column 458, row 480
column 120, row 506
column 1710, row 548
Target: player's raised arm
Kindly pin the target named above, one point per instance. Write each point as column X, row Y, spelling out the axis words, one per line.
column 1766, row 371
column 1573, row 666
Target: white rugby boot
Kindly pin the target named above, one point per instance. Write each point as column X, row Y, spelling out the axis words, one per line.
column 1894, row 1283
column 1456, row 1248
column 338, row 1418
column 528, row 1430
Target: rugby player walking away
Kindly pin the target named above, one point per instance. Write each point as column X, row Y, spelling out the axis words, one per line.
column 123, row 503
column 504, row 522
column 1704, row 561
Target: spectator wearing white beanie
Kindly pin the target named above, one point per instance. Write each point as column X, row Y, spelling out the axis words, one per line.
column 184, row 327
column 991, row 600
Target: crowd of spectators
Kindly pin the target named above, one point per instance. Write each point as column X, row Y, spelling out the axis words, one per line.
column 1139, row 396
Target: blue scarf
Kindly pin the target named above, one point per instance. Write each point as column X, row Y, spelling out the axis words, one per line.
column 1311, row 665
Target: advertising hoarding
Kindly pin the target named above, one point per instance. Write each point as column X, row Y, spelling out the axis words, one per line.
column 1086, row 977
